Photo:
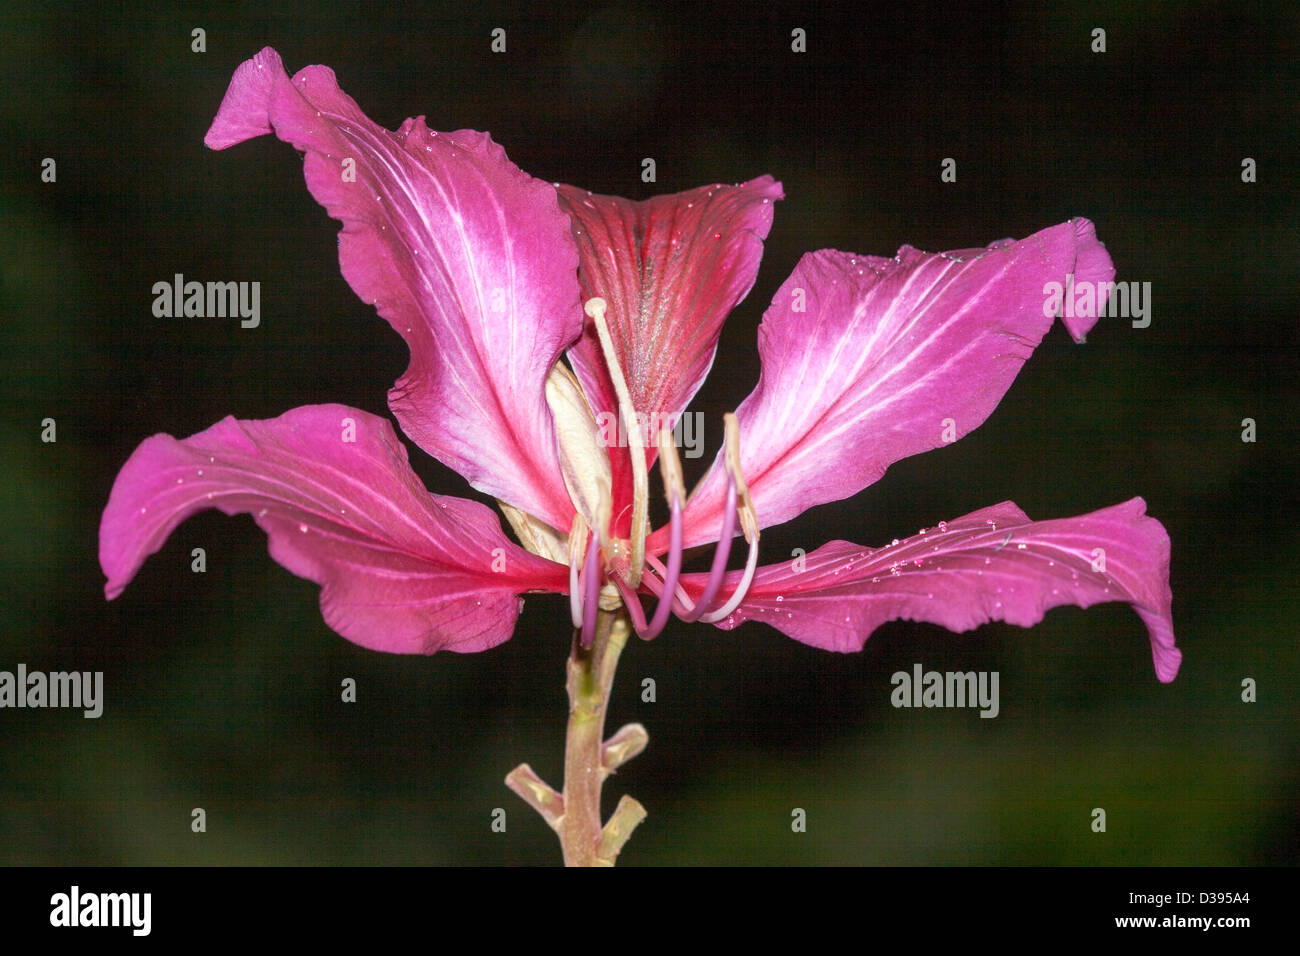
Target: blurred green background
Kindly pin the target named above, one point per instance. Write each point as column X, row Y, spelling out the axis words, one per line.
column 223, row 688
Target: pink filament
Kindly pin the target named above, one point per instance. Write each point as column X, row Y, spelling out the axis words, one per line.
column 665, row 606
column 718, row 570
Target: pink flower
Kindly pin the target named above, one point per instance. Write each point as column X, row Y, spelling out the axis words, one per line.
column 485, row 272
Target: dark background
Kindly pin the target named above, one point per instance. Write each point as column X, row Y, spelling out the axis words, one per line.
column 223, row 688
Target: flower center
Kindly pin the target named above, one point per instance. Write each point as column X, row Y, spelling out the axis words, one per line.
column 625, row 559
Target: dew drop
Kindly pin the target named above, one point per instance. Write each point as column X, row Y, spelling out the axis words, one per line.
column 943, row 526
column 779, row 597
column 200, row 472
column 892, row 544
column 180, row 481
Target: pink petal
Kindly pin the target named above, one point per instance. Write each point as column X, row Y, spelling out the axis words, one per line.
column 992, row 565
column 670, row 269
column 400, row 569
column 468, row 258
column 886, row 354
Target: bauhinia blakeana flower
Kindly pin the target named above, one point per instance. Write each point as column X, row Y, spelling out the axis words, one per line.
column 494, row 278
column 491, row 276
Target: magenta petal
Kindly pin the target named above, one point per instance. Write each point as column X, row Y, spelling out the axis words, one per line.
column 400, row 569
column 992, row 565
column 670, row 269
column 468, row 258
column 866, row 361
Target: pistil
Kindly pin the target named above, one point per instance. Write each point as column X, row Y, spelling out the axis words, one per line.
column 595, row 307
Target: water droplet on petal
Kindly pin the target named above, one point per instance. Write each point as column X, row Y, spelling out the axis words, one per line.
column 892, row 544
column 943, row 525
column 303, row 527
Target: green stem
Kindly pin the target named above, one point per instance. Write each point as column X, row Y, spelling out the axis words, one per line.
column 588, row 759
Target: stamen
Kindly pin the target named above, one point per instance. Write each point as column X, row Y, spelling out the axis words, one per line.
column 664, row 609
column 633, row 605
column 748, row 516
column 675, row 490
column 741, row 590
column 577, row 535
column 590, row 592
column 682, row 603
column 595, row 307
column 748, row 521
column 718, row 570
